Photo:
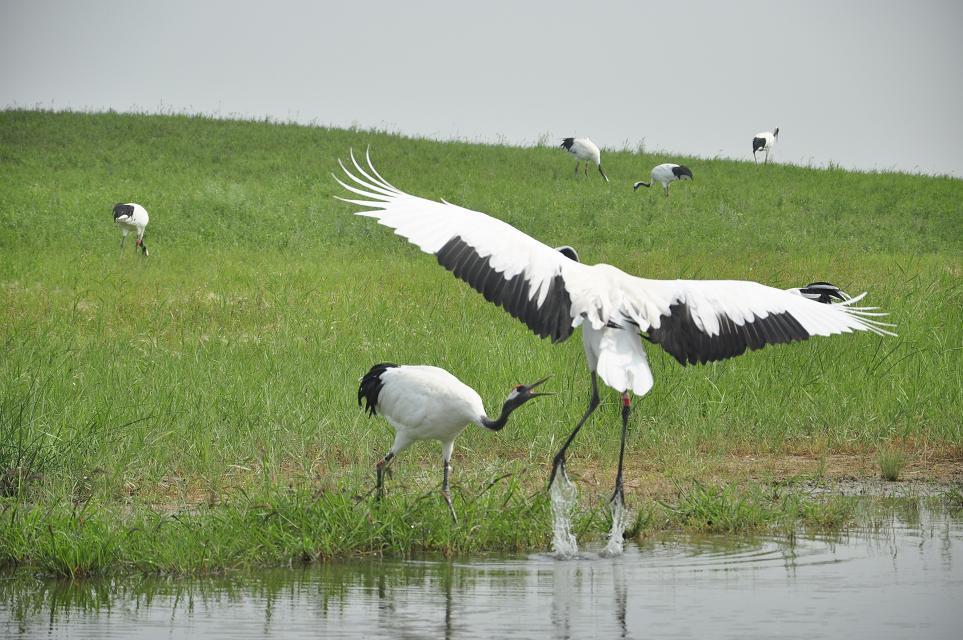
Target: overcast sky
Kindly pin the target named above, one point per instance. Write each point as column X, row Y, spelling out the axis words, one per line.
column 872, row 85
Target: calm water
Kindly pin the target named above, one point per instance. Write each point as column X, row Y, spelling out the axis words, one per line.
column 902, row 578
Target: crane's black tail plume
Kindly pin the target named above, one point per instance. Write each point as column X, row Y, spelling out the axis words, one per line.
column 567, row 143
column 122, row 210
column 371, row 385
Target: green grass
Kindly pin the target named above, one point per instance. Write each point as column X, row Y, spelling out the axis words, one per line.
column 891, row 462
column 227, row 363
column 295, row 527
column 741, row 510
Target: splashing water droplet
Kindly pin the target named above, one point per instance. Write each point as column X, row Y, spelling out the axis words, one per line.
column 563, row 494
column 620, row 517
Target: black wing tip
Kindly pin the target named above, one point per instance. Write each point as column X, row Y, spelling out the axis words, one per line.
column 567, row 143
column 824, row 292
column 371, row 385
column 682, row 170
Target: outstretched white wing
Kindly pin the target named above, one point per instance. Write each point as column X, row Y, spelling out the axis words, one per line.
column 694, row 320
column 701, row 321
column 511, row 269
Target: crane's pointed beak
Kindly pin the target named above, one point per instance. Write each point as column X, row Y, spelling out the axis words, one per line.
column 529, row 388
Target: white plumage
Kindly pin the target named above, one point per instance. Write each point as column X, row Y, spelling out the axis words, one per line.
column 696, row 321
column 586, row 151
column 131, row 217
column 764, row 141
column 428, row 403
column 664, row 174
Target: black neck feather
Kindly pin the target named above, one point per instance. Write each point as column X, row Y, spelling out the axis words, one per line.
column 499, row 424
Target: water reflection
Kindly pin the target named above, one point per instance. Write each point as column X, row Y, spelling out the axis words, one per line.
column 900, row 576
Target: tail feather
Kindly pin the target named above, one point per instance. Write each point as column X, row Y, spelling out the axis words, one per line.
column 123, row 211
column 622, row 362
column 371, row 385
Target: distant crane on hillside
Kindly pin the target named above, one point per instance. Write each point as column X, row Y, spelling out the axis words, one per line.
column 131, row 217
column 664, row 174
column 764, row 142
column 584, row 150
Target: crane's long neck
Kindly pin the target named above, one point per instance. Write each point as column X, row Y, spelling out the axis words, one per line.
column 499, row 424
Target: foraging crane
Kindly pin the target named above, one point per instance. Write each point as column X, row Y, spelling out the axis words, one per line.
column 664, row 174
column 131, row 217
column 824, row 292
column 764, row 142
column 696, row 321
column 584, row 150
column 429, row 403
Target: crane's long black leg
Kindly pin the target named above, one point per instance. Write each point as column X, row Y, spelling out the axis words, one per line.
column 576, row 168
column 626, row 409
column 380, row 468
column 559, row 460
column 447, row 493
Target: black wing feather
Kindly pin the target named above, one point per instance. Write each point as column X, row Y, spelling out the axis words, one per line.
column 551, row 320
column 679, row 335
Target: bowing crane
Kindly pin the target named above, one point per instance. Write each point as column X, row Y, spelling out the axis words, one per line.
column 131, row 217
column 664, row 174
column 428, row 403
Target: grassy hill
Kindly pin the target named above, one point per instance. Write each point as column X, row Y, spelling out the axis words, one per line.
column 228, row 361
